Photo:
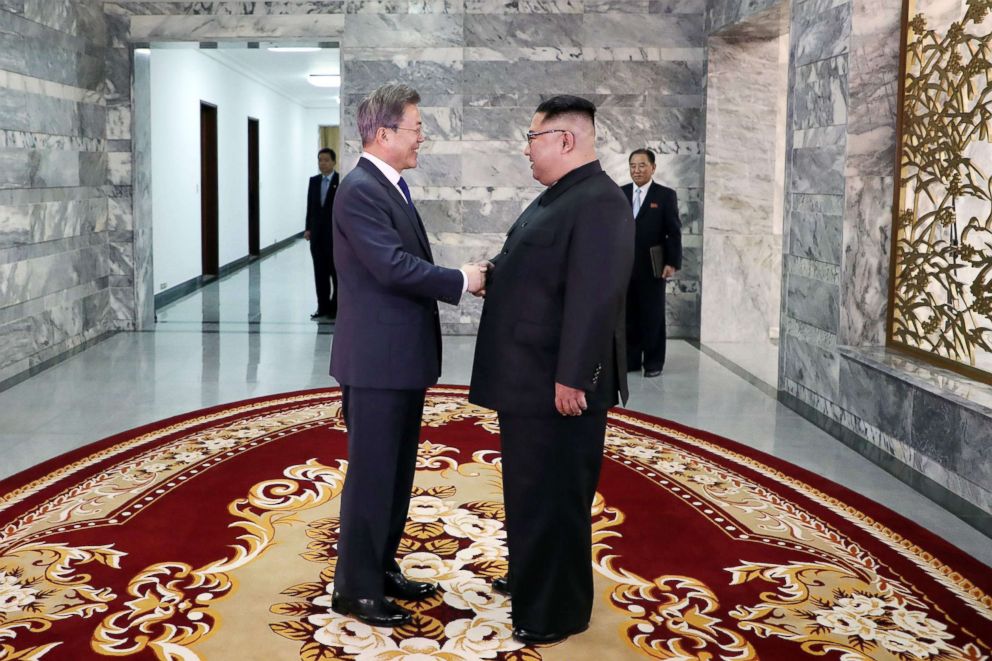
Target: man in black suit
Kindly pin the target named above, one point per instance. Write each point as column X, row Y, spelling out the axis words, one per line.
column 320, row 203
column 386, row 352
column 656, row 214
column 549, row 359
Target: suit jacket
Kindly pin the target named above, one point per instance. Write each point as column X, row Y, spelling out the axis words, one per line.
column 657, row 224
column 319, row 215
column 554, row 300
column 388, row 333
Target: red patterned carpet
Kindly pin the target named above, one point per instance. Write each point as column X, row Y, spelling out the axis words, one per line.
column 212, row 536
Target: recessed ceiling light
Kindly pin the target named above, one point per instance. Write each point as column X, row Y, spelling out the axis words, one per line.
column 324, row 79
column 293, row 49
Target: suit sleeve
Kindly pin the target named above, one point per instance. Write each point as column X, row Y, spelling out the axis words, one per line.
column 672, row 229
column 366, row 224
column 600, row 258
column 311, row 211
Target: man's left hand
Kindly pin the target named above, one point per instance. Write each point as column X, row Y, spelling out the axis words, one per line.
column 569, row 401
column 668, row 271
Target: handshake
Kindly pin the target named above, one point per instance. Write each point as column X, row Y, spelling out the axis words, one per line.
column 476, row 272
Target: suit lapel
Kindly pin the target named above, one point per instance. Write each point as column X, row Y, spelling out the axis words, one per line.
column 411, row 213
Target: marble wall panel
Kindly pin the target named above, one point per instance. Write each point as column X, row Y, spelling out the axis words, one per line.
column 743, row 273
column 669, row 30
column 33, row 278
column 975, row 458
column 404, row 30
column 812, row 302
column 820, row 94
column 723, row 13
column 499, row 123
column 873, row 87
column 812, row 366
column 363, row 76
column 818, row 170
column 885, row 400
column 865, row 276
column 215, row 28
column 816, row 235
column 664, row 77
column 819, row 35
column 525, row 30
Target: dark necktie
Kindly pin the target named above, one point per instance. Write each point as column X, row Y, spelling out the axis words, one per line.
column 406, row 192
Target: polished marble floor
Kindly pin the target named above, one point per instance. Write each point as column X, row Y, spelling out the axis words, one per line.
column 249, row 334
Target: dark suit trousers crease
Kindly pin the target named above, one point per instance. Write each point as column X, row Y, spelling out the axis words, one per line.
column 324, row 274
column 646, row 335
column 550, row 471
column 383, row 433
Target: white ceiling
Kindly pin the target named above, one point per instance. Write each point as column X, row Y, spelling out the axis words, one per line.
column 285, row 72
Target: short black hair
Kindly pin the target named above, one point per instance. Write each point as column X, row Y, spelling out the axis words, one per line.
column 328, row 150
column 566, row 104
column 644, row 150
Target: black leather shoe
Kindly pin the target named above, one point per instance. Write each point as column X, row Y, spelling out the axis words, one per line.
column 502, row 585
column 534, row 638
column 648, row 374
column 374, row 612
column 400, row 587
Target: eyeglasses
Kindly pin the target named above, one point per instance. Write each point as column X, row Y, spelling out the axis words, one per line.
column 419, row 130
column 530, row 135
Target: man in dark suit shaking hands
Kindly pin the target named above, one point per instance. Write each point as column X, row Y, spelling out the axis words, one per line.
column 656, row 214
column 549, row 359
column 386, row 352
column 320, row 203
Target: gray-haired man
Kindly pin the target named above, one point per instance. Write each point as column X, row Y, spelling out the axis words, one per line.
column 386, row 351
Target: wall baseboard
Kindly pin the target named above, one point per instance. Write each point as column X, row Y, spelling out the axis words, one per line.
column 953, row 503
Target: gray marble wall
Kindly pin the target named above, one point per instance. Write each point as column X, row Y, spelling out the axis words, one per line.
column 840, row 177
column 64, row 258
column 482, row 66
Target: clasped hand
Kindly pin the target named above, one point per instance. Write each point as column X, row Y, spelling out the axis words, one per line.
column 476, row 272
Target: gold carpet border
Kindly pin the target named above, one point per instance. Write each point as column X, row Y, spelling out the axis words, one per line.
column 11, row 498
column 929, row 563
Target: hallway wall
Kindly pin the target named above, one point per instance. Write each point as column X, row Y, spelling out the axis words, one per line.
column 181, row 79
column 482, row 66
column 65, row 272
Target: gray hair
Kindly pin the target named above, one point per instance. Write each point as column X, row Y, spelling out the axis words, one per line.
column 383, row 107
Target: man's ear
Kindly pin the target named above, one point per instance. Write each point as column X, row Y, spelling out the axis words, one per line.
column 567, row 142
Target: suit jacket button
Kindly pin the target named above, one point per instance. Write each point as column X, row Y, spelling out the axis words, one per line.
column 506, row 251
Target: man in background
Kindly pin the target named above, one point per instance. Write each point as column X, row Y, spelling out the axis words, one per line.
column 656, row 216
column 320, row 203
column 549, row 359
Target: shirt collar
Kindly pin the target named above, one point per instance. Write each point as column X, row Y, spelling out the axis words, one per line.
column 384, row 167
column 644, row 188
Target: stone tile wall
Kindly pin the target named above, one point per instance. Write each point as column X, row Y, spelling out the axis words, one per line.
column 65, row 261
column 482, row 66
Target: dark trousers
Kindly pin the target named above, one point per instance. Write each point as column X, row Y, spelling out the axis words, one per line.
column 550, row 472
column 646, row 324
column 324, row 274
column 383, row 433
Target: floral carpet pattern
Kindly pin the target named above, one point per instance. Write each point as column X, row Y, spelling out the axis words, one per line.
column 213, row 536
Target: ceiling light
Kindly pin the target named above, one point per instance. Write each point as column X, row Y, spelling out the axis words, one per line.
column 324, row 79
column 294, row 49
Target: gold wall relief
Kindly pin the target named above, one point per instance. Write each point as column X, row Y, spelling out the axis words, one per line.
column 941, row 290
